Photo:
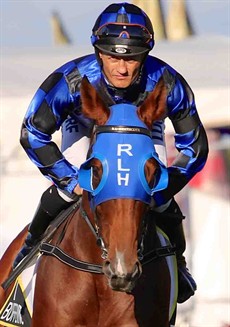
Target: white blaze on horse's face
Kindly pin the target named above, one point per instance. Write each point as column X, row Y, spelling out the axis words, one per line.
column 123, row 147
column 121, row 265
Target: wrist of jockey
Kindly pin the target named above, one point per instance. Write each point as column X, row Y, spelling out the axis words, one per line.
column 73, row 188
column 71, row 182
column 78, row 190
column 71, row 185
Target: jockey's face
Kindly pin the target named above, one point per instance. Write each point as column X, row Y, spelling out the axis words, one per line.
column 120, row 71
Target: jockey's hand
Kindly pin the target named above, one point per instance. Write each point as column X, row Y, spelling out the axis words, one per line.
column 78, row 190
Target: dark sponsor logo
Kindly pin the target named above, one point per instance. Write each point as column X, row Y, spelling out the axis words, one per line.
column 12, row 314
column 15, row 311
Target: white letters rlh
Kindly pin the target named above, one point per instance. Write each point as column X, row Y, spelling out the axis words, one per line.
column 123, row 149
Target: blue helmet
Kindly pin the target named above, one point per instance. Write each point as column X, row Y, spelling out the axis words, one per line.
column 123, row 29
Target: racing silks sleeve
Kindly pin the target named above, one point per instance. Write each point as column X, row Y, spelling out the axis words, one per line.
column 48, row 109
column 190, row 137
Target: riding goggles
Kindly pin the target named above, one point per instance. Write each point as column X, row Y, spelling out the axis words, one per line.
column 124, row 31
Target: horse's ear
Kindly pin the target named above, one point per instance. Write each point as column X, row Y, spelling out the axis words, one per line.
column 93, row 106
column 154, row 107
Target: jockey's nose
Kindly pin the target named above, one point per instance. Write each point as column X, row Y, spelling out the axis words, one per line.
column 122, row 66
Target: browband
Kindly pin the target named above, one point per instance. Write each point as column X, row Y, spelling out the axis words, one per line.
column 121, row 129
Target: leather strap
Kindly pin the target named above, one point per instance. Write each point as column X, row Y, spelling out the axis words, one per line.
column 55, row 251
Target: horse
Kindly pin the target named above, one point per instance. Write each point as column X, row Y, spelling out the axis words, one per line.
column 124, row 277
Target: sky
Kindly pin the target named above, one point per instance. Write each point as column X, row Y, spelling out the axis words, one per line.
column 27, row 23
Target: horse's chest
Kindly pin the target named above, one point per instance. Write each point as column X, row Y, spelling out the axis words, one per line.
column 116, row 308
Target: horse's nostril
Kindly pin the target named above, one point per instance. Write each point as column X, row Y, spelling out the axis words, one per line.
column 106, row 263
column 107, row 268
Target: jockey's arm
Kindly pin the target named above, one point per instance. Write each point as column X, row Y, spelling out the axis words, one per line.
column 48, row 109
column 190, row 139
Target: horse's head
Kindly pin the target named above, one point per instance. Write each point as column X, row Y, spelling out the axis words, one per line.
column 120, row 175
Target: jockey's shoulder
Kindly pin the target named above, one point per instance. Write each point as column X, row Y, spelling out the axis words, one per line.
column 84, row 65
column 156, row 67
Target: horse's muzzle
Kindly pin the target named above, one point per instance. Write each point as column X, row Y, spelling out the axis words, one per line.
column 124, row 282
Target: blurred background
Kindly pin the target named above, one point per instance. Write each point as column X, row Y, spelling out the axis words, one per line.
column 193, row 37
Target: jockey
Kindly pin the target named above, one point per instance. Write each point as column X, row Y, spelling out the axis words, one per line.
column 122, row 70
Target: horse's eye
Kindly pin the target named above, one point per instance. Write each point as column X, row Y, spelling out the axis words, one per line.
column 96, row 175
column 152, row 172
column 156, row 176
column 95, row 172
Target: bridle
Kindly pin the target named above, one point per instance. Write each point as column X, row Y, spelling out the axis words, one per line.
column 99, row 240
column 144, row 257
column 95, row 227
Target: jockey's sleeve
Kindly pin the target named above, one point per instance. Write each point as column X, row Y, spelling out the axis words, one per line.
column 48, row 109
column 190, row 138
